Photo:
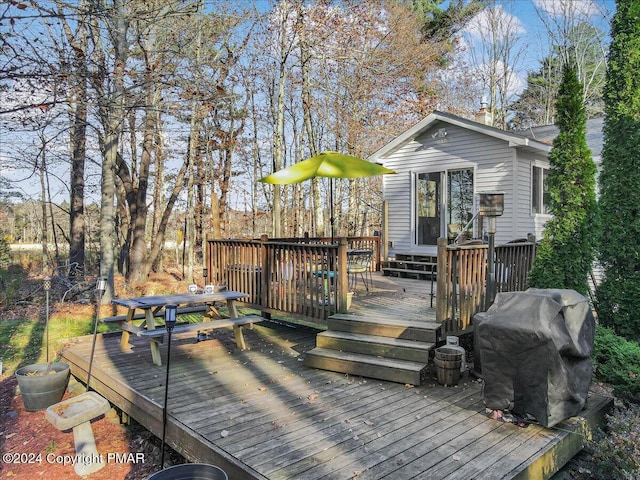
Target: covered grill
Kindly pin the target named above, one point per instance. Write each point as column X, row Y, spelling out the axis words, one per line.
column 534, row 349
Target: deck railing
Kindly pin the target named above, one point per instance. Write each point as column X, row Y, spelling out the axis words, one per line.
column 461, row 280
column 304, row 277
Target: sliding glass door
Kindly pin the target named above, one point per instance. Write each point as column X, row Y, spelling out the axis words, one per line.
column 448, row 195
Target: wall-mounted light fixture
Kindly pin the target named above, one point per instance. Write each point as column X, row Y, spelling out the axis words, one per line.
column 441, row 134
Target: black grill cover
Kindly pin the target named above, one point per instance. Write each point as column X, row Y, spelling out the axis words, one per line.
column 535, row 349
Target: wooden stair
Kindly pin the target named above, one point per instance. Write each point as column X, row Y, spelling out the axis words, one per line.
column 404, row 265
column 386, row 349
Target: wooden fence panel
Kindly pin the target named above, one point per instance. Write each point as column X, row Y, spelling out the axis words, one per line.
column 462, row 273
column 292, row 278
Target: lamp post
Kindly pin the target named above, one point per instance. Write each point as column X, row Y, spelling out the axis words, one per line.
column 47, row 287
column 101, row 286
column 170, row 322
column 491, row 206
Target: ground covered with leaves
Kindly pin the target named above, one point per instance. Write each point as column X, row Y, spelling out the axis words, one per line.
column 32, row 448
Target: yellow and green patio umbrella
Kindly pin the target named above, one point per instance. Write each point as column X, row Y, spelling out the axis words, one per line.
column 327, row 164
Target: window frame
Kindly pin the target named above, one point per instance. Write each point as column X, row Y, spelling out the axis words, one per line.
column 539, row 198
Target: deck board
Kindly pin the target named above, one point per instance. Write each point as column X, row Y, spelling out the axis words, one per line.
column 261, row 414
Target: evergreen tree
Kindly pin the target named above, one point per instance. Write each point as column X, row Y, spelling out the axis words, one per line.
column 618, row 295
column 566, row 252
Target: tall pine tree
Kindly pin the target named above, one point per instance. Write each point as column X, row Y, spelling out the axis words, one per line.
column 618, row 295
column 567, row 250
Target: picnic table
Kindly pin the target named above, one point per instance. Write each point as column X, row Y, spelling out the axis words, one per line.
column 153, row 306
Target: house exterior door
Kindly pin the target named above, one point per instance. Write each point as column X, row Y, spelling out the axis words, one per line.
column 444, row 204
column 429, row 201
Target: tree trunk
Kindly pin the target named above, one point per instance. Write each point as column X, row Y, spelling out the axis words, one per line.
column 113, row 125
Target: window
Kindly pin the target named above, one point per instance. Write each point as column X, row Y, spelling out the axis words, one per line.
column 539, row 191
column 460, row 201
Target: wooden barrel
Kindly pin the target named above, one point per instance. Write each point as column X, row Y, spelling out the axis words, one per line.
column 448, row 362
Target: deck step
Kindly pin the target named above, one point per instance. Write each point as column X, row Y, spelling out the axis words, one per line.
column 405, row 265
column 400, row 371
column 400, row 329
column 407, row 273
column 375, row 345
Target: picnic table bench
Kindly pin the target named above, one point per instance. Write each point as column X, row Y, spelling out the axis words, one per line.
column 153, row 307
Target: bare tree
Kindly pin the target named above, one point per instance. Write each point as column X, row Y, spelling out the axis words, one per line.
column 575, row 39
column 493, row 36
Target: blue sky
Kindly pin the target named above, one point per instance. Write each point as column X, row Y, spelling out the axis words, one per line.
column 533, row 32
column 528, row 18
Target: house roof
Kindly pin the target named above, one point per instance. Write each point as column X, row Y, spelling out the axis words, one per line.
column 514, row 139
column 547, row 133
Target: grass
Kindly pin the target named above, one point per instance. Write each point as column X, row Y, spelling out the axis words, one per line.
column 24, row 339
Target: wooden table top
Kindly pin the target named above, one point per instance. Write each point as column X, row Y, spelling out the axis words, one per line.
column 178, row 299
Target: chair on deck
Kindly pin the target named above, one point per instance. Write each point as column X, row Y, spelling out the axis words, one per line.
column 359, row 263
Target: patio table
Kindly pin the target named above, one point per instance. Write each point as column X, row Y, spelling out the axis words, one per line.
column 153, row 306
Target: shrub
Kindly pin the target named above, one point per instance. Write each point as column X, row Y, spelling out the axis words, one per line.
column 620, row 176
column 566, row 252
column 617, row 362
column 616, row 452
column 4, row 253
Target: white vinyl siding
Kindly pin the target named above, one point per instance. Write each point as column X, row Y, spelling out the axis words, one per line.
column 496, row 166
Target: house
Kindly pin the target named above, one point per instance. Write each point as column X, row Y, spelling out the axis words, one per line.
column 443, row 163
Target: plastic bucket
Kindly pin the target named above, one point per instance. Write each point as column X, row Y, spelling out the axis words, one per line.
column 190, row 471
column 40, row 390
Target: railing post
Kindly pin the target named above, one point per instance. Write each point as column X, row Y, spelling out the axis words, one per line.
column 441, row 281
column 266, row 272
column 343, row 276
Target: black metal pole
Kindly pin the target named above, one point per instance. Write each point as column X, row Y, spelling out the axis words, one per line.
column 491, row 265
column 47, row 322
column 101, row 285
column 166, row 396
column 331, row 219
column 170, row 322
column 47, row 287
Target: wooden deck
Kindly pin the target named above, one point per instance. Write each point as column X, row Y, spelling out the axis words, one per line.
column 260, row 414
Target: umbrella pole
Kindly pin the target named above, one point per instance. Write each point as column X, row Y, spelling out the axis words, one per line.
column 331, row 206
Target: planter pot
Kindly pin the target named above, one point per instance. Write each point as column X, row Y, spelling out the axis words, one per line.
column 190, row 471
column 40, row 390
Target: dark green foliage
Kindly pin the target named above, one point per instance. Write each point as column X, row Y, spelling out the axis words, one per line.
column 442, row 25
column 616, row 361
column 566, row 252
column 617, row 297
column 616, row 452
